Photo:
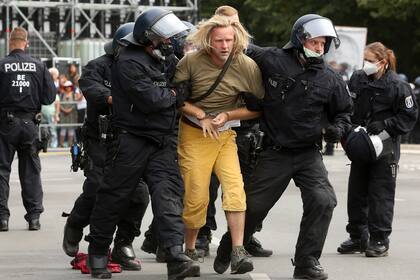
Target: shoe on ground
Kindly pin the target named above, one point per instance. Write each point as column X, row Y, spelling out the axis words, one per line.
column 97, row 265
column 34, row 224
column 202, row 244
column 352, row 246
column 179, row 265
column 149, row 245
column 255, row 248
column 71, row 239
column 222, row 261
column 4, row 225
column 377, row 249
column 240, row 261
column 161, row 255
column 125, row 256
column 315, row 272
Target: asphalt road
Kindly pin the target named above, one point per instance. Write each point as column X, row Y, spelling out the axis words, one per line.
column 38, row 255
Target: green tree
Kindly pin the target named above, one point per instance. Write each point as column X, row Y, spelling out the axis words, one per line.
column 396, row 23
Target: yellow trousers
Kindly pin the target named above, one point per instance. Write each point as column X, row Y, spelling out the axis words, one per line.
column 198, row 158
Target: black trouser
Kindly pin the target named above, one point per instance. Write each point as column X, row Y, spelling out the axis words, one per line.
column 370, row 200
column 129, row 224
column 128, row 159
column 20, row 135
column 247, row 166
column 272, row 175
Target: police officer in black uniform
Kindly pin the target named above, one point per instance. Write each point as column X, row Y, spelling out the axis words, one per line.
column 385, row 105
column 25, row 85
column 95, row 84
column 300, row 87
column 144, row 116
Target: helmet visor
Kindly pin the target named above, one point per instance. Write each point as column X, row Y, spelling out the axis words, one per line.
column 168, row 26
column 319, row 27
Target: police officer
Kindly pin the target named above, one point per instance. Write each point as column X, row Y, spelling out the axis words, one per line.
column 300, row 87
column 144, row 115
column 95, row 84
column 385, row 105
column 25, row 85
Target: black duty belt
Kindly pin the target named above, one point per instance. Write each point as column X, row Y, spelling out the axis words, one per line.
column 17, row 114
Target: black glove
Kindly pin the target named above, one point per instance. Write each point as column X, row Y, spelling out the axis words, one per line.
column 332, row 134
column 374, row 128
column 183, row 92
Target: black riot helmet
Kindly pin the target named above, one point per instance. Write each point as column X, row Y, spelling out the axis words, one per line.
column 155, row 24
column 417, row 81
column 122, row 31
column 311, row 26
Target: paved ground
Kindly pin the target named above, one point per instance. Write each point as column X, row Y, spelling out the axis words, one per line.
column 38, row 255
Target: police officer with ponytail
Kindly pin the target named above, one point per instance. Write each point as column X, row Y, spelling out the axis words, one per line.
column 384, row 105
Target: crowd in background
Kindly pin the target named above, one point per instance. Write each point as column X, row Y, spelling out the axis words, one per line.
column 68, row 111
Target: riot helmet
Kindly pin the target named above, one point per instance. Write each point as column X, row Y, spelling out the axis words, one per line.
column 178, row 41
column 403, row 77
column 364, row 148
column 153, row 25
column 122, row 31
column 312, row 26
column 417, row 81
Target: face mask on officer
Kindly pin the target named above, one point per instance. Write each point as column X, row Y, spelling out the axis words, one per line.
column 370, row 68
column 314, row 48
column 311, row 54
column 162, row 48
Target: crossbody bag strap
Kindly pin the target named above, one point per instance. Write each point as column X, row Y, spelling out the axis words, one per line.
column 216, row 83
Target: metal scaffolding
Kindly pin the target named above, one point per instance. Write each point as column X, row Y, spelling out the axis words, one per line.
column 82, row 16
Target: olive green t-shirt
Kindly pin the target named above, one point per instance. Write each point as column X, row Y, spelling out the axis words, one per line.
column 243, row 75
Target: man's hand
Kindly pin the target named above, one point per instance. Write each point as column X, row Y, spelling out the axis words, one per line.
column 220, row 119
column 209, row 128
column 375, row 128
column 332, row 134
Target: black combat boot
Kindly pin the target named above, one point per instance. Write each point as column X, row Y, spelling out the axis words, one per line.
column 311, row 270
column 222, row 260
column 179, row 265
column 202, row 244
column 71, row 239
column 4, row 225
column 160, row 255
column 377, row 249
column 150, row 243
column 352, row 245
column 97, row 265
column 255, row 248
column 34, row 224
column 123, row 254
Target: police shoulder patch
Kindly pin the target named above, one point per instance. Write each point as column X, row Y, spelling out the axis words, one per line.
column 409, row 103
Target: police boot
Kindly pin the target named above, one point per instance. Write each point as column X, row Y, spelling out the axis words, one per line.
column 160, row 255
column 149, row 244
column 255, row 248
column 71, row 239
column 97, row 265
column 352, row 245
column 377, row 249
column 222, row 260
column 311, row 270
column 180, row 265
column 4, row 225
column 123, row 254
column 202, row 244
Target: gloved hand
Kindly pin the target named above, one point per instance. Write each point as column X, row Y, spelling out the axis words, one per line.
column 332, row 134
column 374, row 128
column 183, row 92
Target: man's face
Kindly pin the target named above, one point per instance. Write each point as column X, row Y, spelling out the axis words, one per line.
column 315, row 44
column 221, row 41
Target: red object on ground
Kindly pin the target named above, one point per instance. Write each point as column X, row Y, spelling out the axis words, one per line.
column 79, row 263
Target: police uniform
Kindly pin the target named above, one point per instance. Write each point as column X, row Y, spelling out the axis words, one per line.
column 144, row 117
column 95, row 84
column 25, row 85
column 296, row 97
column 371, row 189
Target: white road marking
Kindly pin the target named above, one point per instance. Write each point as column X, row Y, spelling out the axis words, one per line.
column 259, row 276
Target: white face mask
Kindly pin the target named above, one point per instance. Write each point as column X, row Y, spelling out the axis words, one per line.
column 309, row 53
column 370, row 68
